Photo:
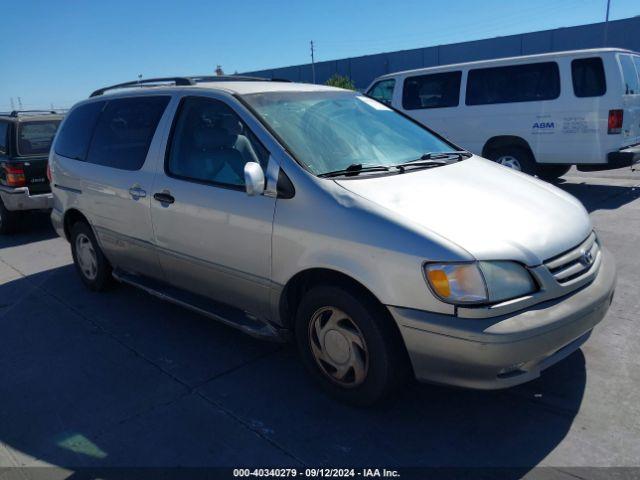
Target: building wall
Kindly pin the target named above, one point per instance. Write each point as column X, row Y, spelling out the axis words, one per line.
column 362, row 70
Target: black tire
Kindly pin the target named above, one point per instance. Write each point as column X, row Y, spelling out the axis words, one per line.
column 521, row 155
column 8, row 220
column 387, row 362
column 552, row 172
column 102, row 278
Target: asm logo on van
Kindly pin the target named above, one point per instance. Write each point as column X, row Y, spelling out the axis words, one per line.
column 543, row 127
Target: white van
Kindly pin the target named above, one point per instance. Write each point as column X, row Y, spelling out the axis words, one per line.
column 535, row 113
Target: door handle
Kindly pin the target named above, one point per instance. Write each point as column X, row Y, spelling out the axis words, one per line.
column 164, row 197
column 136, row 192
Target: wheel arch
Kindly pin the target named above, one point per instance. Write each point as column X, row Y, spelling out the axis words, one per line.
column 72, row 216
column 505, row 141
column 305, row 280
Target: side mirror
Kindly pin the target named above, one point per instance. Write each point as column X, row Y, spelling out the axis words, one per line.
column 253, row 178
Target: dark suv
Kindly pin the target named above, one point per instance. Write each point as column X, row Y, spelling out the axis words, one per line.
column 25, row 139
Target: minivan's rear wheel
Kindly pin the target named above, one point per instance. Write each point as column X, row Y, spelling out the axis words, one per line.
column 350, row 345
column 8, row 220
column 516, row 158
column 90, row 262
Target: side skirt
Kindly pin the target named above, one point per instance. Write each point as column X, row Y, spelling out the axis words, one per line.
column 234, row 317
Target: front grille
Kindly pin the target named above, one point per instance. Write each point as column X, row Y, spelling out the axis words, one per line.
column 575, row 262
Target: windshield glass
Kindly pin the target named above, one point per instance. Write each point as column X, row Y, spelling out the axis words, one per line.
column 34, row 138
column 329, row 131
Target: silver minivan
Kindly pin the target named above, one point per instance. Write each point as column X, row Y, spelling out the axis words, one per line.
column 318, row 214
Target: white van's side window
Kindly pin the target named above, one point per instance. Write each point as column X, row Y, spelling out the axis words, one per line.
column 629, row 75
column 514, row 83
column 383, row 91
column 588, row 77
column 436, row 90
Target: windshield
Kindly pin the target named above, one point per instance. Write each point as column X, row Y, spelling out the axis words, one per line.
column 330, row 131
column 34, row 138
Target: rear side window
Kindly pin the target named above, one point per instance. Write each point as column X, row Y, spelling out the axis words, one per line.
column 436, row 90
column 383, row 91
column 34, row 138
column 588, row 77
column 4, row 127
column 515, row 83
column 629, row 75
column 73, row 140
column 124, row 131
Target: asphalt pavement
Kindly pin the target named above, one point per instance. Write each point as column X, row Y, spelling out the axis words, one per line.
column 124, row 379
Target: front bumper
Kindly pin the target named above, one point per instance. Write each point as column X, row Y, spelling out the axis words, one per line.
column 15, row 199
column 503, row 351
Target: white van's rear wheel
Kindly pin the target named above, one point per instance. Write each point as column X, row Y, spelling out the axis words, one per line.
column 552, row 172
column 516, row 158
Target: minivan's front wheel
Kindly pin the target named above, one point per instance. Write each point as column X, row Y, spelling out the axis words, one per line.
column 92, row 266
column 350, row 345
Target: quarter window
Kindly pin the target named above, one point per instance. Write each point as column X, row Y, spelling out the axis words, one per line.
column 515, row 83
column 73, row 140
column 436, row 90
column 211, row 144
column 629, row 75
column 124, row 131
column 588, row 77
column 383, row 91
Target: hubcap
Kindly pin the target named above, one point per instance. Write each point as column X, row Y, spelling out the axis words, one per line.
column 510, row 162
column 338, row 347
column 86, row 256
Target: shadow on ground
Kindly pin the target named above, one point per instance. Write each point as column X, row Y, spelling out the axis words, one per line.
column 601, row 197
column 123, row 379
column 33, row 226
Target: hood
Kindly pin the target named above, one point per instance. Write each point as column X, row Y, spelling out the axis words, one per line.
column 492, row 212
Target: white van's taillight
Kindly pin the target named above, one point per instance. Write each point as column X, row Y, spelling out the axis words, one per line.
column 615, row 121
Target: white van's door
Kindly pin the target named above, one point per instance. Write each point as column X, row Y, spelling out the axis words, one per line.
column 630, row 66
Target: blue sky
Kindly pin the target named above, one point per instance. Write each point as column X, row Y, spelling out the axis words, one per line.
column 64, row 49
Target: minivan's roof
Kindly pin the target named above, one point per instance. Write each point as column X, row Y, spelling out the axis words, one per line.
column 233, row 86
column 537, row 56
column 243, row 88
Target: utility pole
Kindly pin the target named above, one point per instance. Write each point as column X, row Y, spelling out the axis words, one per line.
column 606, row 23
column 19, row 103
column 313, row 64
column 13, row 106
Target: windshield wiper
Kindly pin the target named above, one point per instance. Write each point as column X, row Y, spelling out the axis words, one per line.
column 355, row 169
column 431, row 156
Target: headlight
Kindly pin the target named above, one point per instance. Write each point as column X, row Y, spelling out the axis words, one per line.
column 479, row 282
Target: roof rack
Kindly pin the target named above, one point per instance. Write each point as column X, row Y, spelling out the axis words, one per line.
column 17, row 113
column 186, row 81
column 145, row 82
